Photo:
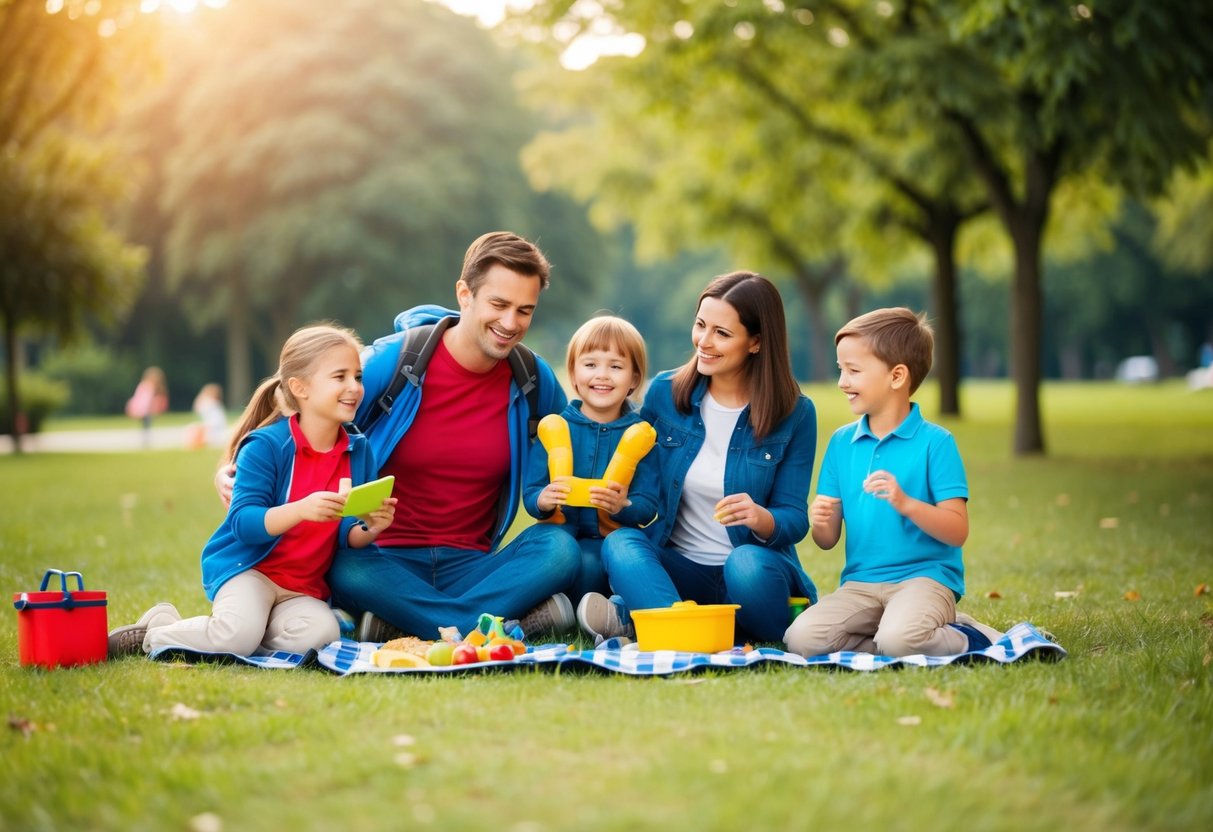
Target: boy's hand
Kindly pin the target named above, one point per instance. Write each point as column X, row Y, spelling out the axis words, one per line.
column 823, row 510
column 554, row 495
column 884, row 486
column 613, row 498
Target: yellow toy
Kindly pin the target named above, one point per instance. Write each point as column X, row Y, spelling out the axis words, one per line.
column 553, row 434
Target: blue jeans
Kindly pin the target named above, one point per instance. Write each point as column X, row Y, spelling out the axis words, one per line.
column 420, row 590
column 592, row 577
column 646, row 576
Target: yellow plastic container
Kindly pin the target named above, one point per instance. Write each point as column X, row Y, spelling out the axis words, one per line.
column 686, row 626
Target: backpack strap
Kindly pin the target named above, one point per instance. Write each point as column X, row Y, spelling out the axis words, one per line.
column 526, row 375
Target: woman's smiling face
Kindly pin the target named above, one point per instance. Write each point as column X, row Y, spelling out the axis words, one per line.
column 722, row 343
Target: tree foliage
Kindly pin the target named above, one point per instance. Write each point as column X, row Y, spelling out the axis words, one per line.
column 319, row 160
column 61, row 260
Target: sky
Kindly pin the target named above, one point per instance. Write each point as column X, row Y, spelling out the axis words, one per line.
column 582, row 50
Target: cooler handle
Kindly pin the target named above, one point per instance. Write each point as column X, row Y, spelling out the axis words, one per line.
column 63, row 576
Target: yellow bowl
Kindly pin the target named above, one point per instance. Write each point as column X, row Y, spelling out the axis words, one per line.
column 580, row 493
column 686, row 626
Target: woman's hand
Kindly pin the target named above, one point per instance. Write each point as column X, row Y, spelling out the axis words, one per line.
column 741, row 510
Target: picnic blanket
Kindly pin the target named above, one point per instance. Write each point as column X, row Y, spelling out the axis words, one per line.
column 346, row 657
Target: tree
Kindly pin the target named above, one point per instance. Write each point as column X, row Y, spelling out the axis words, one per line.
column 318, row 160
column 61, row 261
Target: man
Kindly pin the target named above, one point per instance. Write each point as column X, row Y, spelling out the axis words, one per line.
column 457, row 443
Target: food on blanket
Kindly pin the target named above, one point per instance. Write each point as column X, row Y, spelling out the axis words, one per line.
column 636, row 442
column 439, row 653
column 464, row 654
column 503, row 652
column 408, row 644
column 397, row 658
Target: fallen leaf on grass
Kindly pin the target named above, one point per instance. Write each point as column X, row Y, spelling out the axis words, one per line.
column 1202, row 589
column 206, row 822
column 1063, row 499
column 183, row 712
column 1132, row 595
column 1109, row 522
column 909, row 720
column 994, row 594
column 403, row 740
column 20, row 723
column 1065, row 593
column 940, row 699
column 406, row 759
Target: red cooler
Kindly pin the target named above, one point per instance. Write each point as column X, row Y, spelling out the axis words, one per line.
column 61, row 627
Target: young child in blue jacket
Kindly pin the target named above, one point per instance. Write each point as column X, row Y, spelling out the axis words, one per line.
column 606, row 361
column 264, row 567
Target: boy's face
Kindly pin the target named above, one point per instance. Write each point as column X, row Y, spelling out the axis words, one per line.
column 870, row 385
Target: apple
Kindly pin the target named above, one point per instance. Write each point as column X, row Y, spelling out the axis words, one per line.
column 502, row 652
column 464, row 654
column 440, row 653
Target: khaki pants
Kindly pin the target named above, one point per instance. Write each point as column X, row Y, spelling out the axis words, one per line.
column 252, row 616
column 900, row 619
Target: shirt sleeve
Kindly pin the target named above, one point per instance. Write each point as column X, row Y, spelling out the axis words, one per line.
column 946, row 472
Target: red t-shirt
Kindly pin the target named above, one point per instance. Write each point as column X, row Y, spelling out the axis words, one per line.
column 454, row 459
column 304, row 553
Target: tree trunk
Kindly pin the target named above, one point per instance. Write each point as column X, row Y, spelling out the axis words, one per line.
column 1026, row 330
column 10, row 381
column 947, row 315
column 812, row 288
column 239, row 354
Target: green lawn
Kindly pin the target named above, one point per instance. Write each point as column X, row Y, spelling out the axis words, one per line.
column 1119, row 735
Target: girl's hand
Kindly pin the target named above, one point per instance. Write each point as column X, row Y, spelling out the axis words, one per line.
column 611, row 498
column 320, row 506
column 380, row 518
column 823, row 510
column 884, row 486
column 554, row 495
column 741, row 510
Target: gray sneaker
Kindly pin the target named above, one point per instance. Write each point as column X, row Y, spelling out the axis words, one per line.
column 553, row 615
column 373, row 628
column 128, row 640
column 599, row 616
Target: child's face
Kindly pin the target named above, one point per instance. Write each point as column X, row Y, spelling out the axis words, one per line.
column 334, row 389
column 869, row 383
column 602, row 380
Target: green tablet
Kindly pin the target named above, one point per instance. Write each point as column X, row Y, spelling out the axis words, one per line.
column 365, row 498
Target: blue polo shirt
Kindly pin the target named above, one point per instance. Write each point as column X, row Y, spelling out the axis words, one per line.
column 882, row 546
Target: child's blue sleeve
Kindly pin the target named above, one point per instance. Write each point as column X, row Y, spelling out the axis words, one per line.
column 536, row 480
column 946, row 471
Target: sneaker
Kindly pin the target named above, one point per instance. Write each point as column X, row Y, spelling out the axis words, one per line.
column 128, row 640
column 555, row 614
column 986, row 630
column 373, row 628
column 598, row 615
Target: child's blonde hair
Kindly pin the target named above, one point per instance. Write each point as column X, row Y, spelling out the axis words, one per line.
column 896, row 335
column 273, row 398
column 606, row 332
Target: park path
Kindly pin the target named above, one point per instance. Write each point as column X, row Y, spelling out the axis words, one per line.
column 87, row 441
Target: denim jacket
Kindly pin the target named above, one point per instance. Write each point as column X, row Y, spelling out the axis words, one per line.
column 594, row 444
column 776, row 472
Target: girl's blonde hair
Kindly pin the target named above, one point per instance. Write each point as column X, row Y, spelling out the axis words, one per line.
column 273, row 398
column 609, row 332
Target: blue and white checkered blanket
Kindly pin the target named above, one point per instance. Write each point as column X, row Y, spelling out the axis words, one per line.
column 345, row 657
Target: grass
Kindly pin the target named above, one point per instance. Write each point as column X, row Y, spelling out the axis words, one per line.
column 1115, row 736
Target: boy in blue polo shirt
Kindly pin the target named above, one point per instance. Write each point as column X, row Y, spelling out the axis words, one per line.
column 899, row 483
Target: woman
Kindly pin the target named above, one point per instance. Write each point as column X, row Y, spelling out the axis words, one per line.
column 735, row 446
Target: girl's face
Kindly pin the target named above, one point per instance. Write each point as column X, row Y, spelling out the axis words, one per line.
column 602, row 380
column 722, row 343
column 334, row 389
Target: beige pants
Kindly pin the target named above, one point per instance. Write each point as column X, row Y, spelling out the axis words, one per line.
column 251, row 616
column 899, row 619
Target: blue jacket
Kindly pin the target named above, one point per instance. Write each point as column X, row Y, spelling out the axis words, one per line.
column 379, row 362
column 775, row 472
column 265, row 463
column 594, row 444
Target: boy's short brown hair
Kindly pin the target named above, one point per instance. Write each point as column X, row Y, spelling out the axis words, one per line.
column 896, row 336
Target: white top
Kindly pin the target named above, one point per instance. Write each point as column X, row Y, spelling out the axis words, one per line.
column 697, row 535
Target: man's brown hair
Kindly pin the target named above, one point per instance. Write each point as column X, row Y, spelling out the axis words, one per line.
column 508, row 249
